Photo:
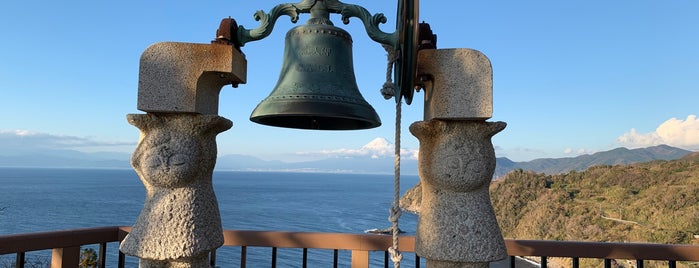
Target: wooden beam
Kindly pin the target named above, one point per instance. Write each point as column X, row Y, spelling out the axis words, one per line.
column 65, row 257
column 360, row 259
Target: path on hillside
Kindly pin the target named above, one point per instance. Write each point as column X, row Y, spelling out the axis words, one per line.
column 519, row 264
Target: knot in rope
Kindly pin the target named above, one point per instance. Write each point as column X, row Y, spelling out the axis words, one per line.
column 389, row 89
column 396, row 256
column 395, row 213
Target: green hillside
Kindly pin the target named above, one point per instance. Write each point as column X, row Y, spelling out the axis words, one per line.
column 648, row 202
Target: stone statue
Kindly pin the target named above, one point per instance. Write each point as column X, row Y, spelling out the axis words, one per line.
column 457, row 226
column 180, row 221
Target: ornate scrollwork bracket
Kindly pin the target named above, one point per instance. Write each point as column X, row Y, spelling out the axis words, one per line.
column 267, row 20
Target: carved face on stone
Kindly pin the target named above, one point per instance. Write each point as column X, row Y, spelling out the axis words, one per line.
column 168, row 160
column 456, row 155
column 175, row 150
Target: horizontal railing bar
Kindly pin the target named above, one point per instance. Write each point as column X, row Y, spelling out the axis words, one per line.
column 602, row 250
column 18, row 243
column 58, row 239
column 363, row 242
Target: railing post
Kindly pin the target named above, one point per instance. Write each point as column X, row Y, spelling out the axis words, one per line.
column 212, row 258
column 304, row 263
column 102, row 257
column 335, row 253
column 122, row 260
column 360, row 259
column 607, row 263
column 243, row 256
column 639, row 263
column 65, row 257
column 274, row 257
column 19, row 260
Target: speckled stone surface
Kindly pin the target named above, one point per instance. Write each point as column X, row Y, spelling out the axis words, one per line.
column 462, row 85
column 448, row 264
column 201, row 261
column 175, row 158
column 456, row 221
column 186, row 77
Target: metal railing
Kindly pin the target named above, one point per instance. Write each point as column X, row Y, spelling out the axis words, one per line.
column 607, row 251
column 66, row 247
column 359, row 245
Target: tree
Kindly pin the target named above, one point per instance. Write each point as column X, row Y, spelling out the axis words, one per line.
column 88, row 258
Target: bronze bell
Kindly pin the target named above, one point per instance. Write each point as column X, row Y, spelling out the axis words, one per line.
column 317, row 87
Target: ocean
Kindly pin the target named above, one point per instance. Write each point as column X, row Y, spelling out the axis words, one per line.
column 35, row 200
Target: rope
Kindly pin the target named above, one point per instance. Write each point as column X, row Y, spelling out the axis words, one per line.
column 388, row 91
column 396, row 256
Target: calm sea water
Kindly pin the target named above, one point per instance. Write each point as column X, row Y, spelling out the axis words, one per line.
column 54, row 199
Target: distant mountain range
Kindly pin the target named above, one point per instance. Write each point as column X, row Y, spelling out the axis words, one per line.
column 357, row 164
column 65, row 159
column 329, row 165
column 618, row 156
column 409, row 166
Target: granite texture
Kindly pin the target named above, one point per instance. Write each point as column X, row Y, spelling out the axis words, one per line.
column 201, row 261
column 448, row 264
column 186, row 77
column 457, row 222
column 180, row 220
column 461, row 86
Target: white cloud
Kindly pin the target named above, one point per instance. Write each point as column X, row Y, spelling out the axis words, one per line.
column 19, row 132
column 12, row 141
column 674, row 132
column 579, row 151
column 377, row 148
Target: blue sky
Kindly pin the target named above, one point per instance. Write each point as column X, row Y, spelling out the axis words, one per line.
column 570, row 77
